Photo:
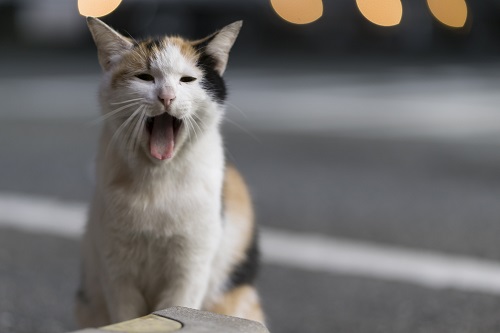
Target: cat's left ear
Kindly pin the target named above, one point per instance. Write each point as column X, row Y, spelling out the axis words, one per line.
column 110, row 44
column 219, row 44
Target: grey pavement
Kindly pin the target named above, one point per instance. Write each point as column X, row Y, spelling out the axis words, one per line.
column 382, row 155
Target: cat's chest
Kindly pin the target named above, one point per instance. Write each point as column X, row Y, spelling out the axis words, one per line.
column 165, row 205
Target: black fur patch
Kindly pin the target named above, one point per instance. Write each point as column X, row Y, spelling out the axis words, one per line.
column 212, row 81
column 153, row 43
column 246, row 271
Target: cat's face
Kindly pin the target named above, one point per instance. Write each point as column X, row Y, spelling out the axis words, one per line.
column 158, row 88
column 161, row 94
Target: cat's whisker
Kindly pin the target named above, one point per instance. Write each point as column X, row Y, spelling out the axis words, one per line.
column 144, row 120
column 189, row 127
column 231, row 157
column 142, row 128
column 132, row 38
column 122, row 108
column 133, row 125
column 123, row 127
column 245, row 130
column 199, row 121
column 127, row 101
column 193, row 124
column 196, row 124
column 132, row 132
column 193, row 127
column 136, row 135
column 129, row 135
column 113, row 113
column 130, row 93
column 126, row 124
column 237, row 108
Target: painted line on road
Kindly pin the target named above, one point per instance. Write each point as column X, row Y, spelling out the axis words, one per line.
column 41, row 214
column 311, row 252
column 340, row 256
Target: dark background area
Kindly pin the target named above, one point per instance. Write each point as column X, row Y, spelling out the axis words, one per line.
column 341, row 31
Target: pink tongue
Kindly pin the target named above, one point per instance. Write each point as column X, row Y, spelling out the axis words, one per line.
column 162, row 142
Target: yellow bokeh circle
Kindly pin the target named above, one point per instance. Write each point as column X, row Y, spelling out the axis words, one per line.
column 381, row 12
column 97, row 8
column 452, row 13
column 298, row 11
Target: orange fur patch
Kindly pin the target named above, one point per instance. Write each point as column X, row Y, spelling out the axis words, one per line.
column 242, row 302
column 186, row 48
column 136, row 61
column 132, row 63
column 237, row 202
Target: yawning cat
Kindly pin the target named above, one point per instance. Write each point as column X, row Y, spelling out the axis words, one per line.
column 170, row 223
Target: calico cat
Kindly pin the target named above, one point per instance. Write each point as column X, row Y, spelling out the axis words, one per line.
column 170, row 223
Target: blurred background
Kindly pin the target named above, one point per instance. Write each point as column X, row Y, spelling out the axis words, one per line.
column 368, row 131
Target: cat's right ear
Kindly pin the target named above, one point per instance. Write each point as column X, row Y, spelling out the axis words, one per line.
column 110, row 44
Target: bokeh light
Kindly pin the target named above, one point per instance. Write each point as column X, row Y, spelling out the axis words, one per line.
column 452, row 13
column 97, row 8
column 298, row 11
column 381, row 12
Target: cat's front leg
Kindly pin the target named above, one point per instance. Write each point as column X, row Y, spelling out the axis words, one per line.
column 188, row 285
column 124, row 300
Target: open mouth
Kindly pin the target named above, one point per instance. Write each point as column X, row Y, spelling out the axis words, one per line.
column 163, row 130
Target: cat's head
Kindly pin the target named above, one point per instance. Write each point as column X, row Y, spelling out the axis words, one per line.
column 159, row 94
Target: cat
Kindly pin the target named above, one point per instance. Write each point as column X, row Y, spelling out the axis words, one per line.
column 170, row 223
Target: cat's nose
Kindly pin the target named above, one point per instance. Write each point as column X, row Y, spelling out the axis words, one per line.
column 166, row 96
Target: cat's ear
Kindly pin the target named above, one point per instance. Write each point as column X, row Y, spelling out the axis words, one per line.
column 110, row 44
column 219, row 44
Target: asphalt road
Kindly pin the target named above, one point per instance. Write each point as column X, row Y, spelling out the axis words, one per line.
column 355, row 179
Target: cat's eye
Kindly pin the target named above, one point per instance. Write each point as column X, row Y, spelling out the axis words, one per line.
column 145, row 77
column 187, row 79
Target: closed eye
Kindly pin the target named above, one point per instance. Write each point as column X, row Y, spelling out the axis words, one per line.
column 187, row 79
column 145, row 77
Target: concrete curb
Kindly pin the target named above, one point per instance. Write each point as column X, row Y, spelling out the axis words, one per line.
column 194, row 321
column 182, row 320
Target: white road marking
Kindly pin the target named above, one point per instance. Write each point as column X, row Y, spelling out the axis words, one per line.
column 425, row 268
column 42, row 215
column 311, row 252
